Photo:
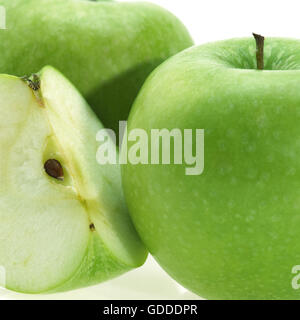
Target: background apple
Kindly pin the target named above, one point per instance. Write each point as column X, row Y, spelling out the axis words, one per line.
column 232, row 232
column 63, row 220
column 106, row 48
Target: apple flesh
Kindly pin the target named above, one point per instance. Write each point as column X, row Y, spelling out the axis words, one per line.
column 64, row 223
column 106, row 48
column 232, row 232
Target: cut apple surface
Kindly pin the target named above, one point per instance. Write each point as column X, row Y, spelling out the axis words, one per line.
column 63, row 219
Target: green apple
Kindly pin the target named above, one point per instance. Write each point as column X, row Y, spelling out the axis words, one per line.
column 106, row 48
column 63, row 220
column 233, row 231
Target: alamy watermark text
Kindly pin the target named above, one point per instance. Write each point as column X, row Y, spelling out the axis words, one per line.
column 159, row 146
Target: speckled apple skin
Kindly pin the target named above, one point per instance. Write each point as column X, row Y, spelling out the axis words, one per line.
column 106, row 48
column 234, row 231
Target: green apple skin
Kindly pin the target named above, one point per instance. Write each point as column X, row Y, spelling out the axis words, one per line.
column 234, row 231
column 58, row 235
column 106, row 48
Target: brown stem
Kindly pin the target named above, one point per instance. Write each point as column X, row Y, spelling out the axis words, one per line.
column 260, row 40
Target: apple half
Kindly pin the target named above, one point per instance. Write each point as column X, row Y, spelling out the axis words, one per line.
column 63, row 220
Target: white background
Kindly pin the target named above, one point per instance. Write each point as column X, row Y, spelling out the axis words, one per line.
column 211, row 20
column 207, row 21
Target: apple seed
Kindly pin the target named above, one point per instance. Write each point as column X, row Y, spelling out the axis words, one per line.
column 54, row 169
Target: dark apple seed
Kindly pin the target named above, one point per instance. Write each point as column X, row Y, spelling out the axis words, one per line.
column 54, row 169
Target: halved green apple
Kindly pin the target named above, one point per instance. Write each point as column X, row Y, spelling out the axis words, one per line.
column 63, row 220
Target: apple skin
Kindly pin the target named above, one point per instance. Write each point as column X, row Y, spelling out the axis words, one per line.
column 107, row 49
column 234, row 231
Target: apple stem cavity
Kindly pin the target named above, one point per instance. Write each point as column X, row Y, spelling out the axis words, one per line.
column 33, row 82
column 260, row 40
column 54, row 169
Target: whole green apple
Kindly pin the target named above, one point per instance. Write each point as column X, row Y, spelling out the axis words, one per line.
column 63, row 219
column 232, row 232
column 106, row 48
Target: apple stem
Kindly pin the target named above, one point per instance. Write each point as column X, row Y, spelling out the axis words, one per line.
column 33, row 82
column 259, row 50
